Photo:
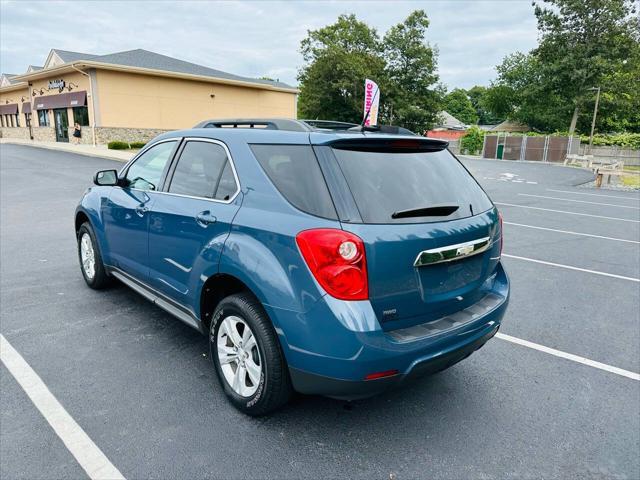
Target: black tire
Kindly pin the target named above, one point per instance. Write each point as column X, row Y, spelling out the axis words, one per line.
column 100, row 278
column 274, row 388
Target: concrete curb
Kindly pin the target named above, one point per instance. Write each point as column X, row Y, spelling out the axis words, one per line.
column 99, row 153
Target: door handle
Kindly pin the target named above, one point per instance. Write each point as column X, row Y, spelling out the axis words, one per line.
column 205, row 218
column 142, row 209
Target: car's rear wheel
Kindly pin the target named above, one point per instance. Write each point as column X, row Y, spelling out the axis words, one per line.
column 247, row 356
column 91, row 264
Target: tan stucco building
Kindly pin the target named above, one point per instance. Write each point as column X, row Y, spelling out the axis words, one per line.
column 129, row 96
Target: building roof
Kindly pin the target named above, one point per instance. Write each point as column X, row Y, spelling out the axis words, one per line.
column 66, row 56
column 140, row 59
column 448, row 121
column 155, row 61
column 510, row 126
column 6, row 79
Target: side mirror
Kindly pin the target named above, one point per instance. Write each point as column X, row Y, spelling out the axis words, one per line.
column 106, row 178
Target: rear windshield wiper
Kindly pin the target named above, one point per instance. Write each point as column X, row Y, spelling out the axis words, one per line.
column 432, row 211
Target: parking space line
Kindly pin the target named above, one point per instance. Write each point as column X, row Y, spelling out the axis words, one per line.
column 579, row 201
column 87, row 453
column 568, row 213
column 572, row 233
column 593, row 194
column 569, row 356
column 569, row 267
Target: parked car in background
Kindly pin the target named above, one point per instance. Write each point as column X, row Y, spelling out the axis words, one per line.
column 333, row 261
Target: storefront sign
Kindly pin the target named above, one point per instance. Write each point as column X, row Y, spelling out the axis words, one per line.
column 59, row 84
column 371, row 102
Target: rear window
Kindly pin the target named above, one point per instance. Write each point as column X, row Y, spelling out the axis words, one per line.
column 384, row 183
column 295, row 172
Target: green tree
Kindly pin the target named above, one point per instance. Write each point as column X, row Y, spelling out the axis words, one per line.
column 478, row 97
column 521, row 93
column 338, row 58
column 458, row 104
column 584, row 44
column 472, row 141
column 619, row 106
column 412, row 98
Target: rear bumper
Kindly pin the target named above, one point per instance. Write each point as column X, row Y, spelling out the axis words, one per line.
column 333, row 347
column 310, row 383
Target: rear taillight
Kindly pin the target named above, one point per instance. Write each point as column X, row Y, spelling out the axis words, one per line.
column 501, row 232
column 337, row 261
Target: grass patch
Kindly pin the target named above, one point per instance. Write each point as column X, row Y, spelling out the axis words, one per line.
column 632, row 168
column 631, row 180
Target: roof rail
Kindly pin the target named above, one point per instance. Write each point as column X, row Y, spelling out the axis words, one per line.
column 291, row 125
column 258, row 123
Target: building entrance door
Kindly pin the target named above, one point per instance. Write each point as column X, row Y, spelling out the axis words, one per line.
column 62, row 124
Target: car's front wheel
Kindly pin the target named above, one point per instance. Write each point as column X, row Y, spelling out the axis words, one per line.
column 91, row 264
column 247, row 356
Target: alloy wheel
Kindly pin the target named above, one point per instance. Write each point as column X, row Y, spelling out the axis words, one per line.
column 87, row 256
column 239, row 356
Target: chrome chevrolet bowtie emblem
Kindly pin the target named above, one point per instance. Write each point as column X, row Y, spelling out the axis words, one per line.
column 464, row 250
column 452, row 252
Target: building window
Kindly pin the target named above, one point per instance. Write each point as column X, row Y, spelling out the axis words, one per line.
column 2, row 120
column 10, row 120
column 27, row 119
column 43, row 118
column 81, row 116
column 17, row 120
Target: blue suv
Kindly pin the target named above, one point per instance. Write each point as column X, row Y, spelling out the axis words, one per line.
column 317, row 257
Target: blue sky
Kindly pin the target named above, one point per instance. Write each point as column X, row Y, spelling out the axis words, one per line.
column 259, row 37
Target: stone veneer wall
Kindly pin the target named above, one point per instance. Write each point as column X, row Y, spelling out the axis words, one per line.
column 43, row 134
column 85, row 139
column 104, row 135
column 40, row 134
column 110, row 134
column 14, row 132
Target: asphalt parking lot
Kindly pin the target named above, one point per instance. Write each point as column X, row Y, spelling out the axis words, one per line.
column 139, row 384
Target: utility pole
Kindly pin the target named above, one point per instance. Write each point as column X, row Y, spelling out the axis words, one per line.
column 595, row 113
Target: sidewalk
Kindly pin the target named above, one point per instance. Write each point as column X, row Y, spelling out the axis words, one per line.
column 99, row 151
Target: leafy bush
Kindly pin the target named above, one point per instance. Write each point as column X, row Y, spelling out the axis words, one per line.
column 116, row 145
column 137, row 144
column 625, row 140
column 472, row 142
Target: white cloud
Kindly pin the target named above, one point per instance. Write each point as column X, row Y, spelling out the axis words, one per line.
column 258, row 38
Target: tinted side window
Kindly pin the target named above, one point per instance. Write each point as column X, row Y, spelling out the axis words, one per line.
column 199, row 169
column 295, row 172
column 146, row 172
column 227, row 185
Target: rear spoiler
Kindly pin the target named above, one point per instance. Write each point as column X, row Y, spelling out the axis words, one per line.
column 395, row 145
